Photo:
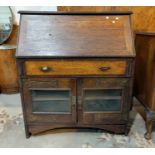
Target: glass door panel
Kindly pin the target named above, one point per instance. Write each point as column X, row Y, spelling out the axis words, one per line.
column 51, row 101
column 102, row 100
column 102, row 105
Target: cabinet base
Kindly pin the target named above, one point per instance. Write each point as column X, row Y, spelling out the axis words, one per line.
column 116, row 129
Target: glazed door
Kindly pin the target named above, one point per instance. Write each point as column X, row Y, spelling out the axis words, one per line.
column 51, row 100
column 103, row 100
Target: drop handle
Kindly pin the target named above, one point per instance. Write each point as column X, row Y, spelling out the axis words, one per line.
column 45, row 69
column 105, row 68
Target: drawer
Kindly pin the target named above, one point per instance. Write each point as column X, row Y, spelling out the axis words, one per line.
column 76, row 67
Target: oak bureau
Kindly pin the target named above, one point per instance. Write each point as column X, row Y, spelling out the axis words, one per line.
column 76, row 70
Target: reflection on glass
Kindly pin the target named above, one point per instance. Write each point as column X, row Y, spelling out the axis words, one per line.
column 50, row 94
column 6, row 22
column 51, row 106
column 102, row 100
column 102, row 105
column 48, row 101
column 102, row 92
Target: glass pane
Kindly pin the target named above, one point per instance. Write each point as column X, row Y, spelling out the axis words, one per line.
column 102, row 93
column 102, row 105
column 51, row 106
column 50, row 93
column 51, row 101
column 102, row 100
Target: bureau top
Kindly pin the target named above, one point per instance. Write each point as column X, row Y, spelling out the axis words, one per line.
column 61, row 34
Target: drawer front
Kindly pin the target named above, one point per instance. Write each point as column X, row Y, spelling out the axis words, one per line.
column 76, row 67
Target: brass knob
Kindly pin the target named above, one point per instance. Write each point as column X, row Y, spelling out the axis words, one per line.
column 105, row 68
column 45, row 69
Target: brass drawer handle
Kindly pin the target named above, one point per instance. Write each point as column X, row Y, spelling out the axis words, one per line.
column 105, row 68
column 45, row 69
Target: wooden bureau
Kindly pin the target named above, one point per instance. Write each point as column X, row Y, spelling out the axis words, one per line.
column 76, row 70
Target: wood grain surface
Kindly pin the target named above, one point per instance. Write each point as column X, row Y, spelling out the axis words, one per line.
column 144, row 69
column 8, row 71
column 143, row 18
column 144, row 85
column 77, row 67
column 101, row 44
column 75, row 35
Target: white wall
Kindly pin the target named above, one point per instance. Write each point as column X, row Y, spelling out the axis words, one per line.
column 5, row 15
column 15, row 10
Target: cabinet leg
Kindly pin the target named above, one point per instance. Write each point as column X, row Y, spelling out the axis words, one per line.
column 27, row 133
column 127, row 130
column 149, row 123
column 126, row 133
column 148, row 133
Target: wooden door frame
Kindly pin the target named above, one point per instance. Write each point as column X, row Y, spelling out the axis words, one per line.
column 48, row 84
column 120, row 116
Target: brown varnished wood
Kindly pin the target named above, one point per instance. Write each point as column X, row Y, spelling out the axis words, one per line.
column 93, row 8
column 143, row 18
column 76, row 67
column 75, row 46
column 55, row 84
column 67, row 35
column 9, row 77
column 118, row 129
column 144, row 87
column 144, row 69
column 109, row 117
column 8, row 71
